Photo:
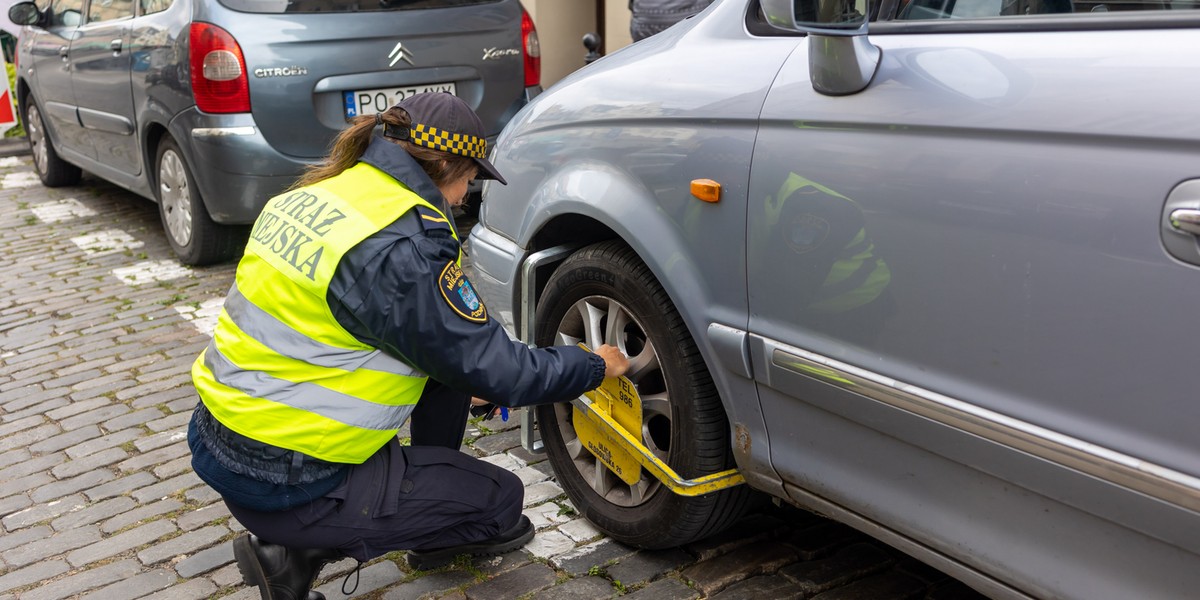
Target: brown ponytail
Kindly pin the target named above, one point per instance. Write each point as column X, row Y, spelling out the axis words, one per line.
column 352, row 142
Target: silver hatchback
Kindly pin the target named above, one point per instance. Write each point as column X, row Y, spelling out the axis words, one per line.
column 209, row 107
column 929, row 267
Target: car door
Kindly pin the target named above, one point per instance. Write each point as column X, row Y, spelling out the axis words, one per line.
column 50, row 67
column 100, row 79
column 966, row 328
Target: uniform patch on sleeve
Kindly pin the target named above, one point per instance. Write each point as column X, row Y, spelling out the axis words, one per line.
column 460, row 295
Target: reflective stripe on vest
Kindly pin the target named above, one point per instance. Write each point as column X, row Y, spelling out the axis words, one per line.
column 280, row 368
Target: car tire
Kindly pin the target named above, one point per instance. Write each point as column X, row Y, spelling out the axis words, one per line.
column 684, row 423
column 52, row 170
column 193, row 235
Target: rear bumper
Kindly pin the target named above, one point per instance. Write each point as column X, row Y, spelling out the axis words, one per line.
column 235, row 169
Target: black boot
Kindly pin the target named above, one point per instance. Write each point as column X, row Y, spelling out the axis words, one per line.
column 281, row 573
column 505, row 542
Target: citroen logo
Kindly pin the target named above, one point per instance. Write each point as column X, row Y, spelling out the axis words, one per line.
column 400, row 53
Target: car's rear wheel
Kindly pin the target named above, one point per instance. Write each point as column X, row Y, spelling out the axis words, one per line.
column 52, row 170
column 193, row 235
column 605, row 294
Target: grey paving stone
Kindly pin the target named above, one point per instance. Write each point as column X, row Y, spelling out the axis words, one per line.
column 25, row 485
column 664, row 589
column 824, row 539
column 172, row 468
column 170, row 422
column 892, row 585
column 370, row 578
column 93, row 513
column 33, row 465
column 434, row 584
column 25, row 439
column 595, row 554
column 14, row 456
column 202, row 516
column 40, row 407
column 154, row 457
column 583, row 588
column 715, row 574
column 83, row 581
column 12, row 426
column 752, row 529
column 495, row 444
column 647, row 566
column 131, row 419
column 182, row 545
column 852, row 562
column 120, row 486
column 24, row 536
column 76, row 408
column 32, row 574
column 159, row 440
column 43, row 512
column 202, row 495
column 227, row 576
column 167, row 396
column 140, row 514
column 136, row 586
column 206, row 560
column 121, row 542
column 54, row 545
column 84, row 464
column 12, row 504
column 530, row 578
column 111, row 440
column 94, row 417
column 66, row 439
column 84, row 481
column 192, row 589
column 766, row 586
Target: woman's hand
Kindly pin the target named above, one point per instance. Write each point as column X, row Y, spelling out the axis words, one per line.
column 615, row 363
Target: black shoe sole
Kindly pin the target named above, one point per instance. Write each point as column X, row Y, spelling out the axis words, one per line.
column 251, row 569
column 432, row 559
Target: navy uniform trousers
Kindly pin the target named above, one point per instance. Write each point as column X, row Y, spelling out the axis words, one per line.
column 424, row 496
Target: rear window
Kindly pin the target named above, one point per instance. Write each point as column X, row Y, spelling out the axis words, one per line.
column 342, row 6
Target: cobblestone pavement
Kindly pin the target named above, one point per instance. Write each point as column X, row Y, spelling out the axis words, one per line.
column 98, row 328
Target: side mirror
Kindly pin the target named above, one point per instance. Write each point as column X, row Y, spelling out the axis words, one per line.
column 840, row 59
column 24, row 13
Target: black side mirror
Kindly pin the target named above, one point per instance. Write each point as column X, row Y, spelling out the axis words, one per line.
column 24, row 13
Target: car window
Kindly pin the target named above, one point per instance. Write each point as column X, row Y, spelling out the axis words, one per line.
column 108, row 10
column 309, row 6
column 150, row 7
column 967, row 9
column 66, row 13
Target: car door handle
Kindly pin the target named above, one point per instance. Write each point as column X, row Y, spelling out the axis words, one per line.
column 115, row 45
column 63, row 51
column 1186, row 219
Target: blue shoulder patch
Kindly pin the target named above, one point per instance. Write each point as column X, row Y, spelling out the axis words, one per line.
column 459, row 294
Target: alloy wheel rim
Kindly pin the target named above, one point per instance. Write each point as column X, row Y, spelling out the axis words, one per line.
column 597, row 320
column 175, row 197
column 37, row 138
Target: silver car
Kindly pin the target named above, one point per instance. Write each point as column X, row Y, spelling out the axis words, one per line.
column 928, row 267
column 209, row 107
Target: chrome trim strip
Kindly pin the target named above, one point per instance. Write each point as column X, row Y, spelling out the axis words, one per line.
column 1153, row 480
column 222, row 131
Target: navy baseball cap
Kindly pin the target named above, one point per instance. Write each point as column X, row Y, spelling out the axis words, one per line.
column 443, row 121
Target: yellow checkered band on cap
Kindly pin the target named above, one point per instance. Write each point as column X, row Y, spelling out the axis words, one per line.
column 454, row 143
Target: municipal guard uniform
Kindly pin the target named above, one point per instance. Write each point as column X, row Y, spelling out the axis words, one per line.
column 349, row 315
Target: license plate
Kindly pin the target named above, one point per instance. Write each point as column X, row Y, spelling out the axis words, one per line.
column 369, row 102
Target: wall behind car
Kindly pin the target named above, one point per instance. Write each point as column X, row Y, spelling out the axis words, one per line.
column 561, row 25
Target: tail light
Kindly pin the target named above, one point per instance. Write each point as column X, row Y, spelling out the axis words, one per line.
column 219, row 80
column 533, row 51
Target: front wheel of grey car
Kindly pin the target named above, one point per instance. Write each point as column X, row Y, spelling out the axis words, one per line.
column 605, row 294
column 193, row 235
column 52, row 170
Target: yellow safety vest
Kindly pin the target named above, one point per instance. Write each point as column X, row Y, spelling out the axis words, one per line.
column 280, row 368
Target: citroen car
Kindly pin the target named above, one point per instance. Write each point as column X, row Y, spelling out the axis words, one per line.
column 926, row 267
column 209, row 107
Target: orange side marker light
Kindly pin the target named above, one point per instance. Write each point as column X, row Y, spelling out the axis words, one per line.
column 706, row 190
